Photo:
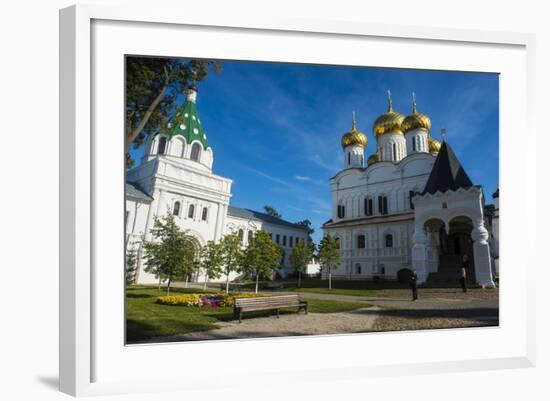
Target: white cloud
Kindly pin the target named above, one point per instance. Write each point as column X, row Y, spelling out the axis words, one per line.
column 302, row 178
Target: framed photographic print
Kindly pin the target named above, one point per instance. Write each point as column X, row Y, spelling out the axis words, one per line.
column 238, row 186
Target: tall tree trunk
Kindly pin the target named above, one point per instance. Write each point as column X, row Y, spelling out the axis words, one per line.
column 186, row 280
column 205, row 281
column 133, row 133
column 168, row 286
column 329, row 279
column 227, row 283
column 257, row 276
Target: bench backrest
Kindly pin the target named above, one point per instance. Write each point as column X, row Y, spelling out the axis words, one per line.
column 276, row 300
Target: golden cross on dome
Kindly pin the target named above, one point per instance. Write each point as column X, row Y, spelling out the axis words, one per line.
column 389, row 101
column 414, row 102
column 443, row 133
column 353, row 119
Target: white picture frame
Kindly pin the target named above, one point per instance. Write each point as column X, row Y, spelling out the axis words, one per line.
column 94, row 361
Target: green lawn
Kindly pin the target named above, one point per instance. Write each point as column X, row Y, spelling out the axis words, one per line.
column 145, row 318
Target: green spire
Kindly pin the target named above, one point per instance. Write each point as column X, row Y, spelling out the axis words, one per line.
column 186, row 122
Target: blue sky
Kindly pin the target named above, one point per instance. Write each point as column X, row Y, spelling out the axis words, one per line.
column 275, row 128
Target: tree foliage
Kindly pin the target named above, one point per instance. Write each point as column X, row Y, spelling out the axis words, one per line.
column 306, row 223
column 232, row 253
column 153, row 84
column 211, row 260
column 271, row 211
column 329, row 255
column 131, row 266
column 171, row 255
column 261, row 257
column 300, row 256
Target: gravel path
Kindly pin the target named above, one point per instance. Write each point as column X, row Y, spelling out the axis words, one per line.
column 295, row 324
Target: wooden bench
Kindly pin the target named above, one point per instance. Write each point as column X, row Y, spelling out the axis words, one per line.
column 275, row 302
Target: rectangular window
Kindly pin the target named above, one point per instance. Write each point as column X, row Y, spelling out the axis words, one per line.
column 380, row 205
column 385, row 205
column 291, row 240
column 411, row 204
column 360, row 241
column 277, row 238
column 368, row 206
column 284, row 240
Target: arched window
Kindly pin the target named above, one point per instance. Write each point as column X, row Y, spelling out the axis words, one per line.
column 176, row 211
column 162, row 146
column 204, row 213
column 191, row 211
column 195, row 152
column 250, row 236
column 358, row 268
column 389, row 241
column 349, row 158
column 338, row 242
column 368, row 207
column 341, row 212
column 241, row 234
column 383, row 204
column 394, row 151
column 361, row 241
column 414, row 143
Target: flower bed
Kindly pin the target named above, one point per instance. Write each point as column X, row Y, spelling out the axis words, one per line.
column 210, row 300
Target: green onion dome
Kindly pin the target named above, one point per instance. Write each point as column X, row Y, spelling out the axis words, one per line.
column 186, row 122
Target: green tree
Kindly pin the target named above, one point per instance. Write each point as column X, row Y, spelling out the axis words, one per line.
column 271, row 211
column 153, row 85
column 211, row 261
column 171, row 255
column 300, row 256
column 306, row 223
column 329, row 255
column 131, row 266
column 261, row 257
column 232, row 253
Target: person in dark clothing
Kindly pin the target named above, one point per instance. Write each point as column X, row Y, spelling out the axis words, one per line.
column 465, row 265
column 414, row 286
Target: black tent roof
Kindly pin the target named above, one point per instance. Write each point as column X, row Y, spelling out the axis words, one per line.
column 447, row 173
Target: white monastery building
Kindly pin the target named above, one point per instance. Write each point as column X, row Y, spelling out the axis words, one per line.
column 175, row 174
column 412, row 207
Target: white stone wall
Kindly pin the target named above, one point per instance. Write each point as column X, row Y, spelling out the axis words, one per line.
column 394, row 181
column 386, row 144
column 420, row 139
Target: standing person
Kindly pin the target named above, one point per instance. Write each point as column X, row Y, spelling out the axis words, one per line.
column 465, row 265
column 414, row 287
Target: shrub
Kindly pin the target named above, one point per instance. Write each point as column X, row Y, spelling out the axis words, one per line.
column 208, row 300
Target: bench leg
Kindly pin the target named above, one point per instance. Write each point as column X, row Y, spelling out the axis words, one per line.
column 240, row 316
column 277, row 313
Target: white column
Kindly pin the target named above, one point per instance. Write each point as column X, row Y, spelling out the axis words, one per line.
column 419, row 254
column 482, row 255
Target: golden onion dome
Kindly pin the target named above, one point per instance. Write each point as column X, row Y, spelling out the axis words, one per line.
column 354, row 137
column 388, row 122
column 416, row 120
column 372, row 159
column 433, row 146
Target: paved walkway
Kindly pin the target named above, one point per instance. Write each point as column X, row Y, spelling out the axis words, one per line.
column 292, row 324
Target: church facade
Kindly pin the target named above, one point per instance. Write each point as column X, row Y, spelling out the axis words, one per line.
column 175, row 175
column 411, row 206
